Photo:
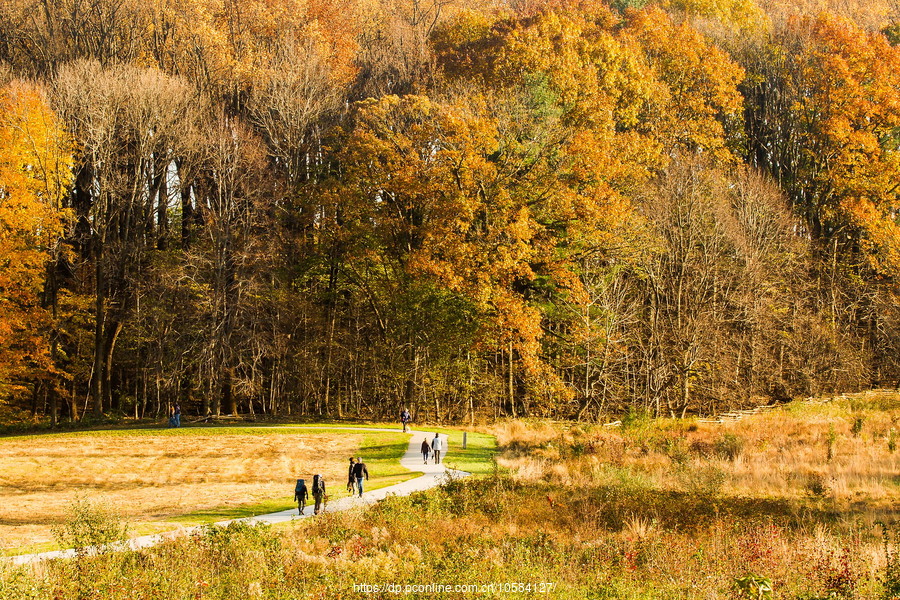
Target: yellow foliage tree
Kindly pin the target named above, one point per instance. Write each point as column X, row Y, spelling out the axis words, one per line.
column 35, row 172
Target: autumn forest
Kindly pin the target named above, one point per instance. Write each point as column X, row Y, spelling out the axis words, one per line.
column 563, row 208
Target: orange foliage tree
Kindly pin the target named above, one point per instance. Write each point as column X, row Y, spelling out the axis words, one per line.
column 824, row 116
column 604, row 103
column 35, row 172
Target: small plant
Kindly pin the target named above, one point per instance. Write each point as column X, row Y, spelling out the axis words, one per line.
column 638, row 528
column 676, row 450
column 729, row 446
column 703, row 480
column 754, row 586
column 92, row 528
column 839, row 577
column 890, row 579
column 892, row 440
column 816, row 485
column 635, row 418
column 830, row 441
column 857, row 425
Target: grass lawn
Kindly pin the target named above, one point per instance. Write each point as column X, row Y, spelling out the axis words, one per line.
column 160, row 478
column 477, row 458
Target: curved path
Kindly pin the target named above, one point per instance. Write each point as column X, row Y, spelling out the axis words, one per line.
column 432, row 475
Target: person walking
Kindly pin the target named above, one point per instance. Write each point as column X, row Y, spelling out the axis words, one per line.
column 318, row 492
column 301, row 495
column 360, row 471
column 426, row 450
column 437, row 444
column 351, row 480
column 177, row 415
column 405, row 418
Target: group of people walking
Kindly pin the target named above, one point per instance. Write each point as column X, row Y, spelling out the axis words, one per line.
column 301, row 494
column 355, row 476
column 357, row 472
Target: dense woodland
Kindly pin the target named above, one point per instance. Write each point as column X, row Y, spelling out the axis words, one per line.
column 550, row 207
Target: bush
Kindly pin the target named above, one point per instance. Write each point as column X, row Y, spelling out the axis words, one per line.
column 729, row 446
column 816, row 485
column 857, row 425
column 890, row 578
column 93, row 528
column 703, row 480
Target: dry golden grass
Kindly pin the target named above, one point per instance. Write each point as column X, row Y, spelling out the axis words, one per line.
column 149, row 478
column 805, row 450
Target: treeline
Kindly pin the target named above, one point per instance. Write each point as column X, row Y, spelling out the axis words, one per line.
column 554, row 207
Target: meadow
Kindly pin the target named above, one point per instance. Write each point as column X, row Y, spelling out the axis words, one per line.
column 160, row 479
column 795, row 503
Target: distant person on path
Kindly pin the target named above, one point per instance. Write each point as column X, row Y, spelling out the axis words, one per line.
column 437, row 444
column 360, row 471
column 318, row 492
column 405, row 418
column 426, row 449
column 177, row 415
column 301, row 495
column 351, row 480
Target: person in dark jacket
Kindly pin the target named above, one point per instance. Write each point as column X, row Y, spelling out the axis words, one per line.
column 318, row 492
column 426, row 450
column 301, row 495
column 351, row 480
column 360, row 471
column 405, row 418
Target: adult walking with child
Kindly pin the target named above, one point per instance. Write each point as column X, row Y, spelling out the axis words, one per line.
column 437, row 445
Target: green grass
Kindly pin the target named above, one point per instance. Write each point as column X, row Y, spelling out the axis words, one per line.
column 476, row 459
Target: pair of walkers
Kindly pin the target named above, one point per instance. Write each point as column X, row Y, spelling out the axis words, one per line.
column 435, row 447
column 301, row 494
column 355, row 475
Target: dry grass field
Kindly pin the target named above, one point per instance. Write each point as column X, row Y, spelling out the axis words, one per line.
column 798, row 503
column 151, row 476
column 845, row 451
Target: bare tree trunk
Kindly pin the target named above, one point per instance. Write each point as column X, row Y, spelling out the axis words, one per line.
column 98, row 370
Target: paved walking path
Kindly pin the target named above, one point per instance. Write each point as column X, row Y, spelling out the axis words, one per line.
column 432, row 475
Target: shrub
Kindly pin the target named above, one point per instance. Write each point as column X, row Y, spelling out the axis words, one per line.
column 754, row 587
column 857, row 425
column 93, row 528
column 729, row 446
column 830, row 441
column 816, row 485
column 704, row 480
column 676, row 450
column 890, row 578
